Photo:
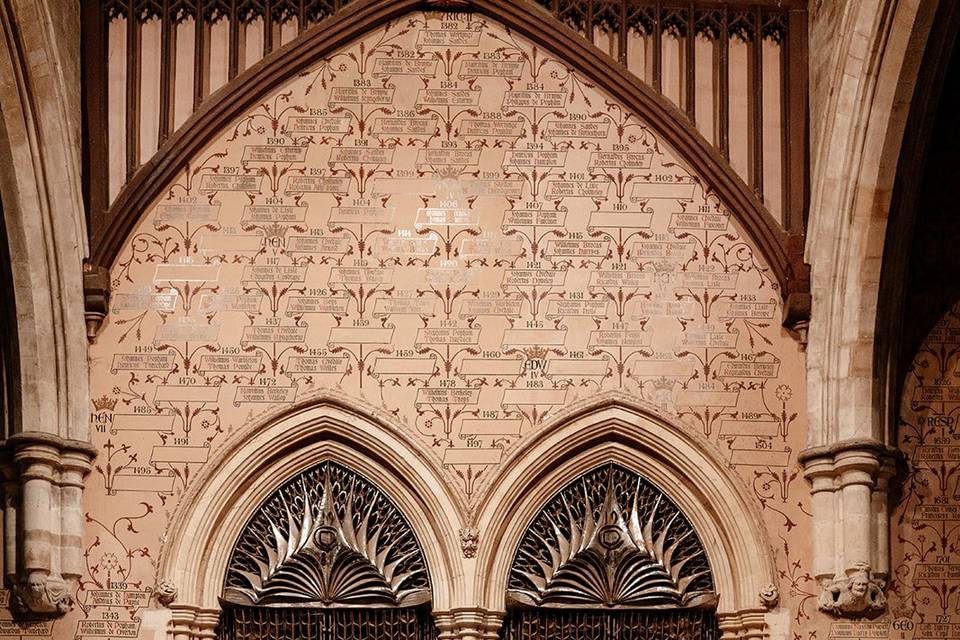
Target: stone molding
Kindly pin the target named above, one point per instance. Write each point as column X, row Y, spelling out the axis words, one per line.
column 43, row 519
column 860, row 92
column 240, row 475
column 750, row 624
column 190, row 622
column 850, row 483
column 259, row 457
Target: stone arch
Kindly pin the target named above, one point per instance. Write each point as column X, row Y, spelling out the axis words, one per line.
column 45, row 230
column 615, row 428
column 872, row 71
column 855, row 155
column 258, row 458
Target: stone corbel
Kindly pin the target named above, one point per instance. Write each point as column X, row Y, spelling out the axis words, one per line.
column 468, row 624
column 849, row 494
column 96, row 297
column 796, row 292
column 43, row 519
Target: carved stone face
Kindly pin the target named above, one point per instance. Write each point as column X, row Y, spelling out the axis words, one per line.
column 859, row 586
column 35, row 584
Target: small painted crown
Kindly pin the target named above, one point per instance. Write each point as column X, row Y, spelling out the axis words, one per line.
column 104, row 403
column 535, row 353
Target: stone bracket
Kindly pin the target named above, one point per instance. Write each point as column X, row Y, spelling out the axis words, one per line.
column 796, row 291
column 43, row 478
column 96, row 297
column 850, row 483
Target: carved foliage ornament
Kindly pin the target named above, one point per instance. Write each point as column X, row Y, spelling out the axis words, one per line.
column 327, row 538
column 611, row 539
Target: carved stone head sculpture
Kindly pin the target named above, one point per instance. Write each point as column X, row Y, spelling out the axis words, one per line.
column 858, row 595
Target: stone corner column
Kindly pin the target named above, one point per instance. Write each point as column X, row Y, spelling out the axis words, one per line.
column 849, row 485
column 43, row 489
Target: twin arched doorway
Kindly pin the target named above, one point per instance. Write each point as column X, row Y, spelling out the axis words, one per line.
column 612, row 522
column 329, row 555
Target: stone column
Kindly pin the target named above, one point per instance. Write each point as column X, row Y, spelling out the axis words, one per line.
column 823, row 504
column 849, row 483
column 856, row 469
column 41, row 588
column 44, row 523
column 74, row 468
column 881, row 515
column 11, row 521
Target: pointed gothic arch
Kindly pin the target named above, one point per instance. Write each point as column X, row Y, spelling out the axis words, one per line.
column 616, row 429
column 269, row 454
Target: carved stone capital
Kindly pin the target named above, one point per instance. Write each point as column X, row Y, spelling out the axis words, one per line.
column 468, row 624
column 43, row 486
column 42, row 594
column 742, row 625
column 858, row 595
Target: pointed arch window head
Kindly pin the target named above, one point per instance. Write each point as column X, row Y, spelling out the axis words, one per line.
column 611, row 539
column 327, row 538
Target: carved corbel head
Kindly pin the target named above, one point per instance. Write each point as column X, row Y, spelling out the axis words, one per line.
column 165, row 592
column 857, row 595
column 43, row 594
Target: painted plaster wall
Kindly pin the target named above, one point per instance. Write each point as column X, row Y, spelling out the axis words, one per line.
column 448, row 227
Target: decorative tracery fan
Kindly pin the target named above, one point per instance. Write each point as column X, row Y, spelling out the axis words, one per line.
column 327, row 538
column 611, row 539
